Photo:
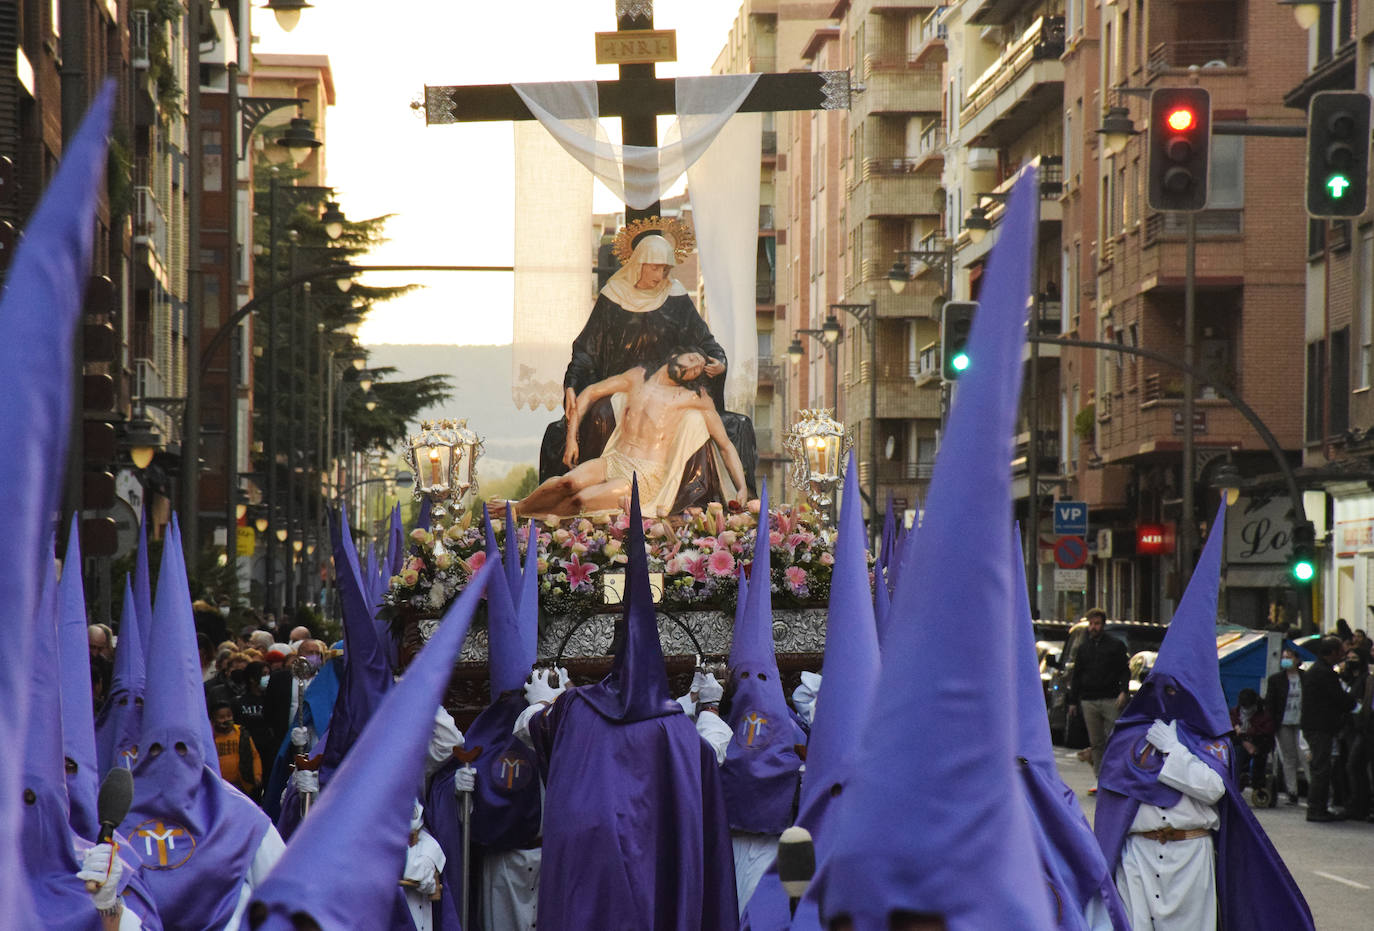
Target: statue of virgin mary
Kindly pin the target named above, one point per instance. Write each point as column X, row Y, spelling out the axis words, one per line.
column 639, row 316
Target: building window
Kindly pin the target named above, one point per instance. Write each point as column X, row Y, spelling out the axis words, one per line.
column 1316, row 372
column 1226, row 173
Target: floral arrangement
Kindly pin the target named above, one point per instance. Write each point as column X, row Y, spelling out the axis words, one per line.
column 700, row 554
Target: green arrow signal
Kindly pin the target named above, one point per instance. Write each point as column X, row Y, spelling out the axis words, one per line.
column 1337, row 185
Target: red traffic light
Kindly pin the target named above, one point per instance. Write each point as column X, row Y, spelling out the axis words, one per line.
column 1181, row 119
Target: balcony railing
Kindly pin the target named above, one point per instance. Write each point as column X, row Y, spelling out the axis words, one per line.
column 934, row 27
column 904, row 62
column 765, row 216
column 1168, row 56
column 932, row 140
column 1043, row 40
column 765, row 292
column 770, row 142
column 770, row 373
column 1220, row 222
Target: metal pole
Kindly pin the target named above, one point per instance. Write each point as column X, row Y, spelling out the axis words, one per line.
column 270, row 440
column 195, row 298
column 231, row 374
column 874, row 526
column 1186, row 524
column 292, row 431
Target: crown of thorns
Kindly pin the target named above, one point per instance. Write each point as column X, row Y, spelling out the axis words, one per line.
column 678, row 233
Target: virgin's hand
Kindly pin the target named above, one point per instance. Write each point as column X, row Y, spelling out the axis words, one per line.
column 714, row 367
column 570, row 453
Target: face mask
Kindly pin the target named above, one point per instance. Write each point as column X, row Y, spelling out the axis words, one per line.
column 1286, row 663
column 224, row 611
column 262, row 683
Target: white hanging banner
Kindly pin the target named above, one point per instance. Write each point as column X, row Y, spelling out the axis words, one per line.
column 724, row 188
column 638, row 175
column 553, row 261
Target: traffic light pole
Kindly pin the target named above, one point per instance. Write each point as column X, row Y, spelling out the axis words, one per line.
column 1271, row 443
column 1187, row 541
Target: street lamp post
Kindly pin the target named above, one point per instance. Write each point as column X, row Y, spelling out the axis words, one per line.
column 866, row 315
column 829, row 335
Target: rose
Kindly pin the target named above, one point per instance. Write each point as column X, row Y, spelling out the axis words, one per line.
column 551, row 522
column 421, row 535
column 583, row 526
column 443, row 560
column 612, row 549
column 395, row 582
column 827, row 559
column 561, row 537
column 579, row 548
column 409, row 576
column 497, row 524
column 728, row 538
column 658, row 529
column 753, row 505
column 415, row 563
column 453, row 533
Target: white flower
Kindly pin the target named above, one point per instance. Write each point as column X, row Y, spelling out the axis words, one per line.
column 437, row 597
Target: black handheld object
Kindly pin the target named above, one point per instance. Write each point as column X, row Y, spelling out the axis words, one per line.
column 796, row 863
column 115, row 799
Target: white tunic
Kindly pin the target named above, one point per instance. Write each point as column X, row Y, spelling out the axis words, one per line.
column 754, row 853
column 270, row 849
column 424, row 858
column 510, row 889
column 1173, row 886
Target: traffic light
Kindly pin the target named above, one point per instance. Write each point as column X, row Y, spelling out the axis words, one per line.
column 1303, row 563
column 1180, row 140
column 1337, row 154
column 956, row 323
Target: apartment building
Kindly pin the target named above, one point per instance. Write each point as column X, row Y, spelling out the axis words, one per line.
column 1123, row 273
column 1338, row 412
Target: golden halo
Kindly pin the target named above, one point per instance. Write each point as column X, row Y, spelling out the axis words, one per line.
column 678, row 232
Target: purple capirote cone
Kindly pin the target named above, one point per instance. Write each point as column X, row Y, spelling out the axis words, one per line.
column 761, row 769
column 637, row 686
column 851, row 676
column 928, row 806
column 342, row 865
column 74, row 673
column 511, row 652
column 49, row 271
column 121, row 717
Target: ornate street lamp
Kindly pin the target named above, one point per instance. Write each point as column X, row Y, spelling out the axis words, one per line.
column 443, row 458
column 287, row 12
column 333, row 220
column 299, row 139
column 818, row 445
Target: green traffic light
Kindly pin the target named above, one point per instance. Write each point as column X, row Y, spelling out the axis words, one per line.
column 1337, row 185
column 1304, row 571
column 960, row 362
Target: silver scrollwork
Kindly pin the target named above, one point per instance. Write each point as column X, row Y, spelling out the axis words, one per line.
column 439, row 105
column 835, row 90
column 634, row 9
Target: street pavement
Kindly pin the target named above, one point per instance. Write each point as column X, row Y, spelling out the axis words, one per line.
column 1332, row 863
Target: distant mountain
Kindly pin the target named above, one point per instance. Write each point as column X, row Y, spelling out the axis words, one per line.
column 481, row 379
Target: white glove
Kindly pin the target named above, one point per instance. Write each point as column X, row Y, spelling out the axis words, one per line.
column 709, row 691
column 464, row 780
column 417, row 816
column 541, row 687
column 699, row 679
column 1163, row 737
column 101, row 866
column 306, row 781
column 300, row 736
column 421, row 869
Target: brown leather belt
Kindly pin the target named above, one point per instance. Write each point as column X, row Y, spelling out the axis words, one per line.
column 1164, row 835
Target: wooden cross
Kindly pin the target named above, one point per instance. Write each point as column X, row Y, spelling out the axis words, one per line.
column 638, row 97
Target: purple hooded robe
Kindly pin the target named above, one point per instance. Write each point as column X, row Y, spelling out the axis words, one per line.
column 635, row 834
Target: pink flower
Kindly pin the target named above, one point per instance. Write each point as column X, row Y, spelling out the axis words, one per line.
column 706, row 543
column 728, row 538
column 672, row 566
column 622, row 523
column 797, row 539
column 827, row 559
column 696, row 566
column 415, row 564
column 476, row 561
column 721, row 563
column 579, row 573
column 775, row 538
column 753, row 505
column 796, row 578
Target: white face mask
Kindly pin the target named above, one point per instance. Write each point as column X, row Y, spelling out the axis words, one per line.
column 262, row 683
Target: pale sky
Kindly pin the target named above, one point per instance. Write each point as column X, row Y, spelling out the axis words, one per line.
column 451, row 188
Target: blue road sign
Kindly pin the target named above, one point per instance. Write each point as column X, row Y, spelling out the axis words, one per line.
column 1071, row 518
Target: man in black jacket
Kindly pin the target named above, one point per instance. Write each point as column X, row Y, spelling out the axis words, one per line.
column 1100, row 683
column 1324, row 708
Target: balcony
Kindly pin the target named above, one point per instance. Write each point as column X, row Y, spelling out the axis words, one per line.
column 770, row 373
column 899, row 85
column 891, row 187
column 1049, row 453
column 150, row 231
column 1023, row 85
column 765, row 217
column 930, row 149
column 1185, row 56
column 899, row 397
column 138, row 39
column 930, row 48
column 765, row 292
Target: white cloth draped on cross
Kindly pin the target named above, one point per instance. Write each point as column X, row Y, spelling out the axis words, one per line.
column 553, row 206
